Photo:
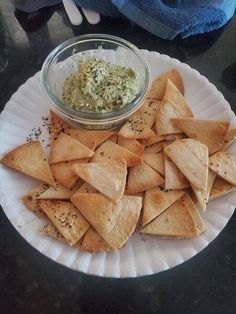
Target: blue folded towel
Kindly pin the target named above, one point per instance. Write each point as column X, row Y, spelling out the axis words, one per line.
column 164, row 18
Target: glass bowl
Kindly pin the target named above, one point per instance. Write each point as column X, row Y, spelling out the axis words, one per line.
column 62, row 61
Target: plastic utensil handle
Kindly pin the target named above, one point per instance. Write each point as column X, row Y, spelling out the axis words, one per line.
column 72, row 12
column 91, row 16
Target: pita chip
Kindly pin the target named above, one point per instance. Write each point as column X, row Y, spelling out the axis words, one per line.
column 66, row 148
column 111, row 151
column 114, row 138
column 154, row 148
column 52, row 231
column 136, row 128
column 191, row 157
column 98, row 210
column 94, row 242
column 158, row 88
column 230, row 138
column 148, row 111
column 156, row 201
column 153, row 140
column 203, row 196
column 108, row 177
column 174, row 179
column 131, row 144
column 68, row 220
column 30, row 200
column 222, row 163
column 57, row 192
column 142, row 178
column 64, row 174
column 155, row 161
column 57, row 125
column 91, row 139
column 87, row 188
column 176, row 221
column 221, row 188
column 209, row 132
column 31, row 160
column 165, row 112
column 174, row 97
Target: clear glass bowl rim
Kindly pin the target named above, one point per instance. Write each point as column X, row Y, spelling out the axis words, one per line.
column 89, row 117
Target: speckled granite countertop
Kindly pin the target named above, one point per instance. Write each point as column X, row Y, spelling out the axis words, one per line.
column 30, row 282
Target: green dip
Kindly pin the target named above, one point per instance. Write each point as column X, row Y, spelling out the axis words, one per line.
column 99, row 86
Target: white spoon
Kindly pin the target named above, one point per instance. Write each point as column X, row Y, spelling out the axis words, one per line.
column 72, row 12
column 91, row 16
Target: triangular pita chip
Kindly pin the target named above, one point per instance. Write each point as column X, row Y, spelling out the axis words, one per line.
column 64, row 174
column 221, row 188
column 131, row 144
column 191, row 157
column 148, row 111
column 109, row 150
column 66, row 218
column 31, row 202
column 176, row 221
column 158, row 88
column 211, row 133
column 91, row 139
column 94, row 242
column 52, row 231
column 155, row 161
column 136, row 127
column 57, row 125
column 114, row 138
column 153, row 140
column 230, row 138
column 142, row 178
column 66, row 148
column 174, row 179
column 222, row 163
column 154, row 148
column 57, row 192
column 30, row 159
column 203, row 196
column 188, row 203
column 174, row 97
column 165, row 112
column 156, row 201
column 108, row 177
column 87, row 188
column 98, row 210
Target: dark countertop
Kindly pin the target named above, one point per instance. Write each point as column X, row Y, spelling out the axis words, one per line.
column 32, row 283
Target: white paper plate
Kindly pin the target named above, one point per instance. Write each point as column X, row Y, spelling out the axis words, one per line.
column 142, row 255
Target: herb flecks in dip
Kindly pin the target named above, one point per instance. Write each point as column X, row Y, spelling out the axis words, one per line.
column 99, row 86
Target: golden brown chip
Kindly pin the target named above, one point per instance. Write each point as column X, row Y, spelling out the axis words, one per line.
column 108, row 177
column 131, row 144
column 94, row 242
column 87, row 188
column 66, row 148
column 203, row 196
column 176, row 221
column 52, row 231
column 142, row 178
column 156, row 201
column 114, row 138
column 91, row 139
column 148, row 111
column 174, row 179
column 57, row 192
column 158, row 88
column 98, row 210
column 154, row 148
column 174, row 97
column 57, row 125
column 221, row 188
column 111, row 151
column 30, row 159
column 153, row 140
column 31, row 202
column 222, row 163
column 209, row 132
column 155, row 161
column 136, row 128
column 230, row 138
column 68, row 220
column 64, row 174
column 191, row 157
